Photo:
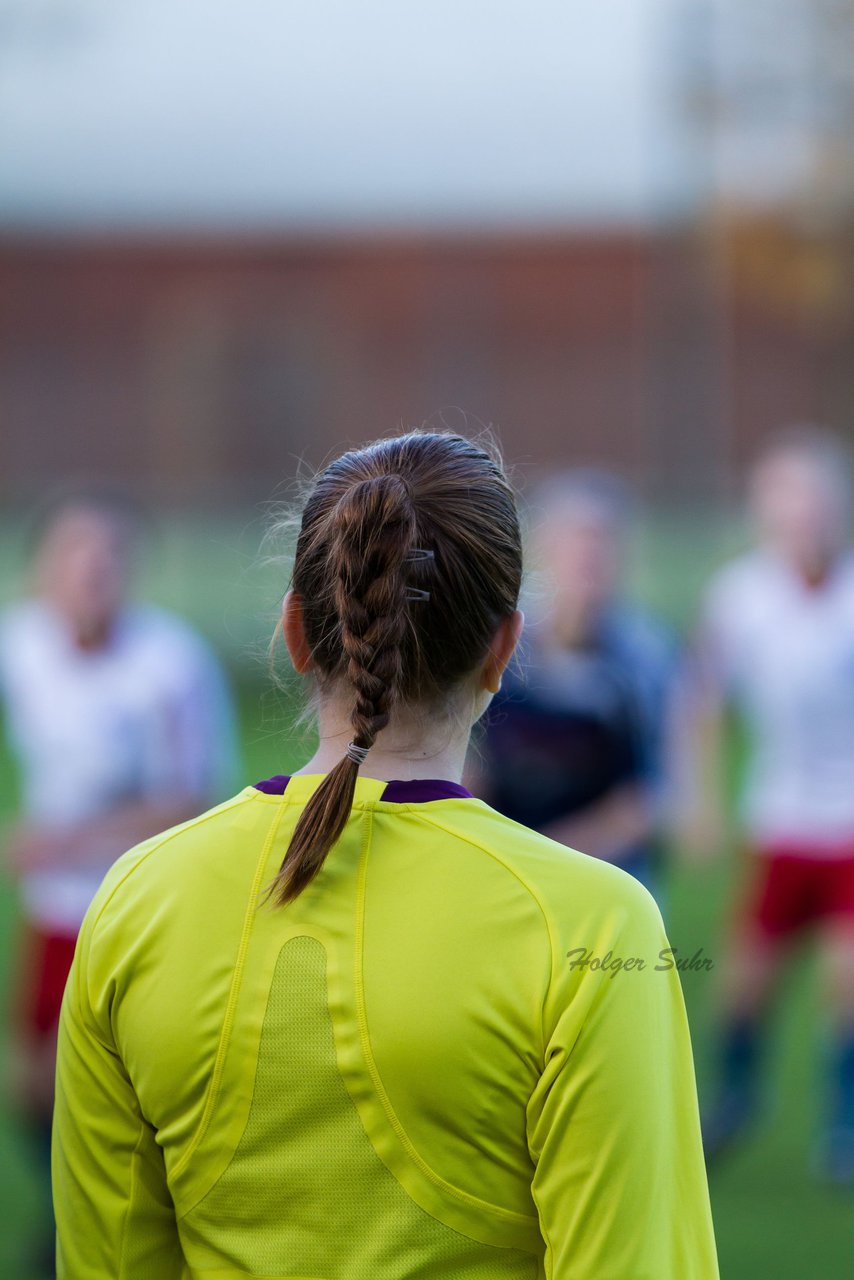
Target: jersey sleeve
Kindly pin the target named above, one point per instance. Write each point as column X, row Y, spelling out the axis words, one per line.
column 613, row 1127
column 114, row 1214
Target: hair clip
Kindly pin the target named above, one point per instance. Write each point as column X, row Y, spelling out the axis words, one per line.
column 415, row 593
column 355, row 753
column 419, row 553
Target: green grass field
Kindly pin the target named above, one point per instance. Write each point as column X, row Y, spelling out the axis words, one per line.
column 772, row 1219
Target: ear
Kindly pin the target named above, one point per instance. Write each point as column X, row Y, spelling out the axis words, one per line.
column 294, row 633
column 501, row 650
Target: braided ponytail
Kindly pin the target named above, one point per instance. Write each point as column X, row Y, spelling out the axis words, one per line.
column 370, row 532
column 427, row 516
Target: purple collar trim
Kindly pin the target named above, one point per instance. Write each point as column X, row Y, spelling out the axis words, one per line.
column 396, row 791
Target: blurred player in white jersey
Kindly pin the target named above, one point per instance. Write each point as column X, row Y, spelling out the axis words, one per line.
column 777, row 643
column 122, row 724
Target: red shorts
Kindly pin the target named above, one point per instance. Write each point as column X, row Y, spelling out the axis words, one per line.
column 45, row 959
column 791, row 886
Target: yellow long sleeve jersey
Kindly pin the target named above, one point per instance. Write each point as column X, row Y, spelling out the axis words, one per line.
column 459, row 1054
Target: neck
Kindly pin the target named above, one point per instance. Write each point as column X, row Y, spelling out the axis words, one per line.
column 401, row 750
column 92, row 640
column 814, row 571
column 88, row 637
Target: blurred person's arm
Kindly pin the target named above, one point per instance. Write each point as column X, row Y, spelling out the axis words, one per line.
column 699, row 817
column 629, row 814
column 29, row 846
column 613, row 1126
column 624, row 818
column 114, row 1213
column 698, row 746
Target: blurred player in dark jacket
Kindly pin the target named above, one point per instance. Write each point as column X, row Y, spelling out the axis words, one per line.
column 575, row 744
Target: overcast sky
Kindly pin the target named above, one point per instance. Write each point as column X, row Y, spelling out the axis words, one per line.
column 337, row 112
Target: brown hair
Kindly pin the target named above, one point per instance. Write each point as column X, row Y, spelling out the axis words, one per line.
column 408, row 558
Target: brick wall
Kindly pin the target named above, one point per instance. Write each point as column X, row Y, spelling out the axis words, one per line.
column 200, row 370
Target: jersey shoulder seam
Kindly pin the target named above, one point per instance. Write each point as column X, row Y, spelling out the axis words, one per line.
column 529, row 889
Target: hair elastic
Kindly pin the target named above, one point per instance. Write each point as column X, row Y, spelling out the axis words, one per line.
column 355, row 753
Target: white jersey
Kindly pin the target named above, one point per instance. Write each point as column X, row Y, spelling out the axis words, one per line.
column 147, row 716
column 784, row 652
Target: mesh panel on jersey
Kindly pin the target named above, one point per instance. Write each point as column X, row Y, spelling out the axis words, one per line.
column 305, row 1193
